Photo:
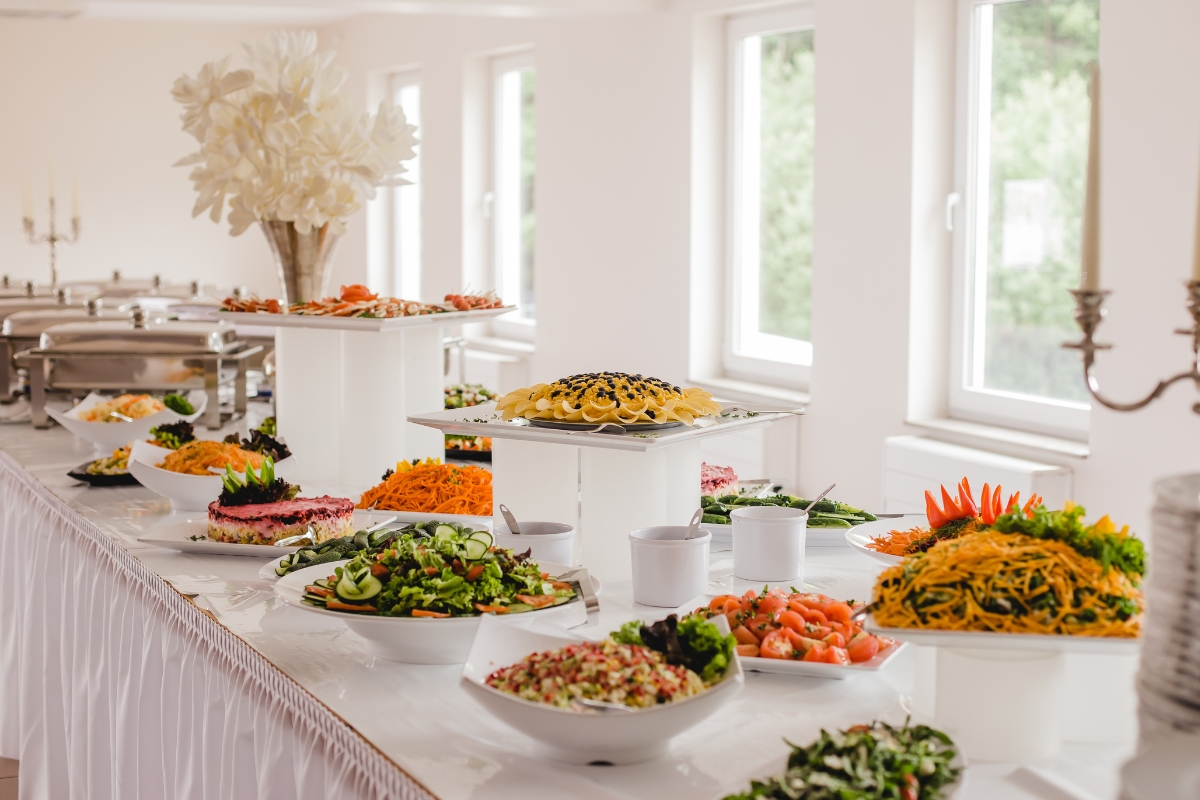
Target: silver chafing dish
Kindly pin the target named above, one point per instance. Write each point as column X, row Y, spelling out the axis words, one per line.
column 139, row 355
column 22, row 330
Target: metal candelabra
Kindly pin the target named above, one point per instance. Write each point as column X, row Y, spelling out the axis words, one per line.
column 52, row 238
column 1089, row 313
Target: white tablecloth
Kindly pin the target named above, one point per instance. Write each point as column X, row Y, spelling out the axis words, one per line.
column 114, row 685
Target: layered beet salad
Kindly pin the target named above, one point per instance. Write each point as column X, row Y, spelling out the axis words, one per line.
column 262, row 509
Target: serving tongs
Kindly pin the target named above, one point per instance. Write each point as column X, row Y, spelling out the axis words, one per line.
column 587, row 591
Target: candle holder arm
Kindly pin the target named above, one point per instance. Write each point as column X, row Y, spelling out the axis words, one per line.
column 1089, row 313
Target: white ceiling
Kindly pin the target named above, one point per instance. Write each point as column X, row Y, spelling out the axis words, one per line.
column 306, row 12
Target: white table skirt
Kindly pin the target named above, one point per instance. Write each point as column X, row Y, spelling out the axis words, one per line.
column 113, row 685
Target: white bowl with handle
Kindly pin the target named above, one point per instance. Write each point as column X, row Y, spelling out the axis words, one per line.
column 108, row 436
column 584, row 737
column 186, row 492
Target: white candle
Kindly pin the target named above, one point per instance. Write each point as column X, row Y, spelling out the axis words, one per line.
column 26, row 200
column 52, row 180
column 1196, row 249
column 75, row 197
column 1089, row 264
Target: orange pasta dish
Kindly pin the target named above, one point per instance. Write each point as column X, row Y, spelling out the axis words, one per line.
column 432, row 487
column 195, row 458
column 133, row 406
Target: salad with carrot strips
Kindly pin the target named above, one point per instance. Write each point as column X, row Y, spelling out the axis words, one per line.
column 453, row 572
column 800, row 626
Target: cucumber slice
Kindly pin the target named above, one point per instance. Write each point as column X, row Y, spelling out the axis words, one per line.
column 365, row 589
column 281, row 570
column 517, row 608
column 473, row 549
column 445, row 532
column 482, row 536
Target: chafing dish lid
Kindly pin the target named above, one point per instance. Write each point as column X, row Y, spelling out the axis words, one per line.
column 29, row 324
column 158, row 336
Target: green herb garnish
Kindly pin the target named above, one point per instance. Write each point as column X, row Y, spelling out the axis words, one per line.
column 1116, row 549
column 260, row 487
column 179, row 404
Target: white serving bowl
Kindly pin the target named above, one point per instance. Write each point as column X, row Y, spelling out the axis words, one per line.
column 186, row 492
column 548, row 541
column 424, row 640
column 108, row 436
column 582, row 737
column 668, row 568
column 768, row 543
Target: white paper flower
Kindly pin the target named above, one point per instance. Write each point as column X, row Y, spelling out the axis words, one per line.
column 278, row 141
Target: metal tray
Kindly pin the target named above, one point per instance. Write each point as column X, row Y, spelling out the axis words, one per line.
column 587, row 426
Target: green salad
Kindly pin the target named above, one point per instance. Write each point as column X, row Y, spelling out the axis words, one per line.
column 694, row 643
column 824, row 514
column 449, row 571
column 865, row 762
column 179, row 404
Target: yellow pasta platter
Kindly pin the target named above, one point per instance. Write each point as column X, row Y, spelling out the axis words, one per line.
column 616, row 397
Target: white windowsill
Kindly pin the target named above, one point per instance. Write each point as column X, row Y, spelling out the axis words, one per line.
column 979, row 435
column 750, row 392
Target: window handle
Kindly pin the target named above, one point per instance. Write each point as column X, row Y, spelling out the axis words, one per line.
column 489, row 200
column 952, row 200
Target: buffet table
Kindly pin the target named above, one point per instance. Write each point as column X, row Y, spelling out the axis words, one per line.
column 128, row 670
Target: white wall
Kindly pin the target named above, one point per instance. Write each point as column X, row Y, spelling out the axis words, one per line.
column 96, row 97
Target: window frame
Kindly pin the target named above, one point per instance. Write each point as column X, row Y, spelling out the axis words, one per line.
column 514, row 325
column 790, row 373
column 399, row 284
column 1061, row 418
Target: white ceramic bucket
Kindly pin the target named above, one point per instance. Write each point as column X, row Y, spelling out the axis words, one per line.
column 768, row 543
column 553, row 542
column 668, row 569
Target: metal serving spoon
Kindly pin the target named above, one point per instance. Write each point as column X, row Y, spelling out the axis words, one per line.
column 604, row 427
column 289, row 541
column 820, row 497
column 600, row 705
column 513, row 527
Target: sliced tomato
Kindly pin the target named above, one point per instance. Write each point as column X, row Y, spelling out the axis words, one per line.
column 744, row 636
column 555, row 584
column 718, row 602
column 814, row 616
column 862, row 647
column 837, row 655
column 790, row 619
column 816, row 652
column 839, row 612
column 379, row 570
column 474, row 572
column 747, row 650
column 536, row 600
column 835, row 639
column 776, row 645
column 420, row 612
column 770, row 604
column 337, row 605
column 480, row 607
column 431, row 570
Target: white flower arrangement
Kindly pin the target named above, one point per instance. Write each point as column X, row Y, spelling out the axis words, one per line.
column 279, row 140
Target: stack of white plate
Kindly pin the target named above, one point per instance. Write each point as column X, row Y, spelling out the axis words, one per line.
column 1169, row 673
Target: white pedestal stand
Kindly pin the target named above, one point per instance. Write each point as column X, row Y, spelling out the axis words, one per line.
column 606, row 485
column 1002, row 697
column 345, row 388
column 1001, row 705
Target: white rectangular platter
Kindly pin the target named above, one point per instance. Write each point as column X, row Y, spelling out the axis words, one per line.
column 982, row 640
column 809, row 669
column 484, row 420
column 185, row 531
column 361, row 323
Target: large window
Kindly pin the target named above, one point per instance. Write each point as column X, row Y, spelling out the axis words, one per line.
column 1022, row 156
column 769, row 287
column 512, row 196
column 405, row 201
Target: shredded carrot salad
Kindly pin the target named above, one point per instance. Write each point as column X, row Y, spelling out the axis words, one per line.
column 195, row 458
column 436, row 488
column 1008, row 583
